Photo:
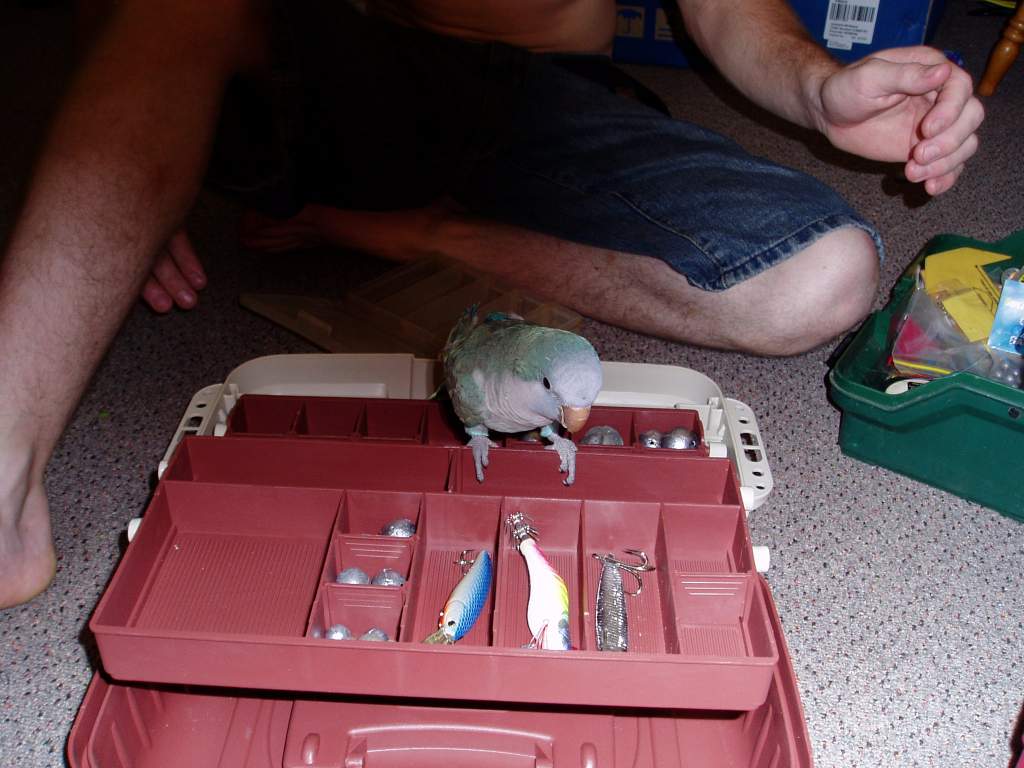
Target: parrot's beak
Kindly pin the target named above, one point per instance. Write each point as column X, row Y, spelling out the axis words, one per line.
column 573, row 418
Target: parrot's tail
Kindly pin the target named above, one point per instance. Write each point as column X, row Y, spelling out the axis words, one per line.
column 460, row 331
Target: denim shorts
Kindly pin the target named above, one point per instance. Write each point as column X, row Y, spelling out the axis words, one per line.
column 363, row 114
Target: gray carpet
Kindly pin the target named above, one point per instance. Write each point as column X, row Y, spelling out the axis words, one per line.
column 901, row 604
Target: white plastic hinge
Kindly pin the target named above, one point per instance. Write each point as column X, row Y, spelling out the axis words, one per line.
column 747, row 495
column 762, row 559
column 227, row 403
column 714, row 430
column 133, row 527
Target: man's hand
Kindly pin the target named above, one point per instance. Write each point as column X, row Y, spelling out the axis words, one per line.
column 907, row 105
column 177, row 275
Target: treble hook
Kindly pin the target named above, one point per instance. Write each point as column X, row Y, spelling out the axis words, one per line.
column 635, row 569
column 464, row 562
column 520, row 527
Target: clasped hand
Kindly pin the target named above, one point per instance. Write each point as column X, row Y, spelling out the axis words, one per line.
column 909, row 105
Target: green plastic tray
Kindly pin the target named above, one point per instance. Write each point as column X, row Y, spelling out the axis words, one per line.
column 956, row 432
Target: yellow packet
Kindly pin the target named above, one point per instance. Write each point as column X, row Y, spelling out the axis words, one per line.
column 971, row 314
column 963, row 266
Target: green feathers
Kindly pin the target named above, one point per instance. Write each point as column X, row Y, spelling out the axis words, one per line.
column 507, row 375
column 488, row 362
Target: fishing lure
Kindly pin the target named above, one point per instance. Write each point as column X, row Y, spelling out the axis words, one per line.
column 611, row 623
column 547, row 611
column 466, row 601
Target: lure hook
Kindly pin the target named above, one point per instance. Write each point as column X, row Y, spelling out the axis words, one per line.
column 634, row 569
column 520, row 527
column 464, row 562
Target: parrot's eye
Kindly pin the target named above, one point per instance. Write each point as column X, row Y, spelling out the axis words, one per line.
column 547, row 384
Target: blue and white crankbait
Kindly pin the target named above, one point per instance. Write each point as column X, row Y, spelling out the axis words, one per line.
column 465, row 602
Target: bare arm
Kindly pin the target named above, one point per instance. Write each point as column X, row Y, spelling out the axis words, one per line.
column 117, row 174
column 761, row 47
column 907, row 105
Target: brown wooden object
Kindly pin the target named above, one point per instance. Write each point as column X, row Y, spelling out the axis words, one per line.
column 409, row 309
column 1004, row 53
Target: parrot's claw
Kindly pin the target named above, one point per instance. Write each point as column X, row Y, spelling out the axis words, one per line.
column 567, row 454
column 480, row 446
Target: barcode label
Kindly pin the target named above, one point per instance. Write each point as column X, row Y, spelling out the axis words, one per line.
column 843, row 12
column 850, row 22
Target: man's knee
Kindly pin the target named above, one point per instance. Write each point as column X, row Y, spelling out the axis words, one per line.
column 846, row 297
column 823, row 291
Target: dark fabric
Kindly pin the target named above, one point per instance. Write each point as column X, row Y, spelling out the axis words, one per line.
column 363, row 114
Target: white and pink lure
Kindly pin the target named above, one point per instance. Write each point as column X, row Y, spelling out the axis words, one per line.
column 547, row 612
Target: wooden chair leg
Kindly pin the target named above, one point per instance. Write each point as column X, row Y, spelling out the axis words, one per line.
column 1004, row 53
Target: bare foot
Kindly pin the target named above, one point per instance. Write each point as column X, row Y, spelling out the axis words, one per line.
column 27, row 558
column 177, row 276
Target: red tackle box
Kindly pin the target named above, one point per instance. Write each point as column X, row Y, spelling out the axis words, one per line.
column 213, row 631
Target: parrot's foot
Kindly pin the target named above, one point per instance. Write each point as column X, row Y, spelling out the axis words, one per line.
column 480, row 446
column 567, row 454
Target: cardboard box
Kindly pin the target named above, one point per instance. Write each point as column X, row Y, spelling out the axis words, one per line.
column 651, row 32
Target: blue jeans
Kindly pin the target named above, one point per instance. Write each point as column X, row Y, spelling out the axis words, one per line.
column 366, row 115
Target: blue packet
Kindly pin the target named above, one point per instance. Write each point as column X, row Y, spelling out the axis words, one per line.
column 1007, row 333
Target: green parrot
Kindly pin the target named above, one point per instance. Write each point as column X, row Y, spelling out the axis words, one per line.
column 506, row 374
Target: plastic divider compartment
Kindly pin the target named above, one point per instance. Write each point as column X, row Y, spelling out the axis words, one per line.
column 421, row 421
column 367, row 513
column 120, row 725
column 610, row 528
column 395, row 419
column 704, row 538
column 528, row 441
column 357, row 541
column 330, row 417
column 443, row 426
column 630, row 423
column 557, row 522
column 370, row 554
column 311, row 463
column 265, row 415
column 450, row 525
column 212, row 562
column 619, row 419
column 665, row 420
column 725, row 617
column 643, row 475
column 719, row 610
column 359, row 609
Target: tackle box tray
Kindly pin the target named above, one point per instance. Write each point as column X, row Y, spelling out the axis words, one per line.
column 143, row 725
column 951, row 432
column 728, row 426
column 231, row 578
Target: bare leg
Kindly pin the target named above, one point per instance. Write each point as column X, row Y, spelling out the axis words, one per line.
column 797, row 305
column 120, row 169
